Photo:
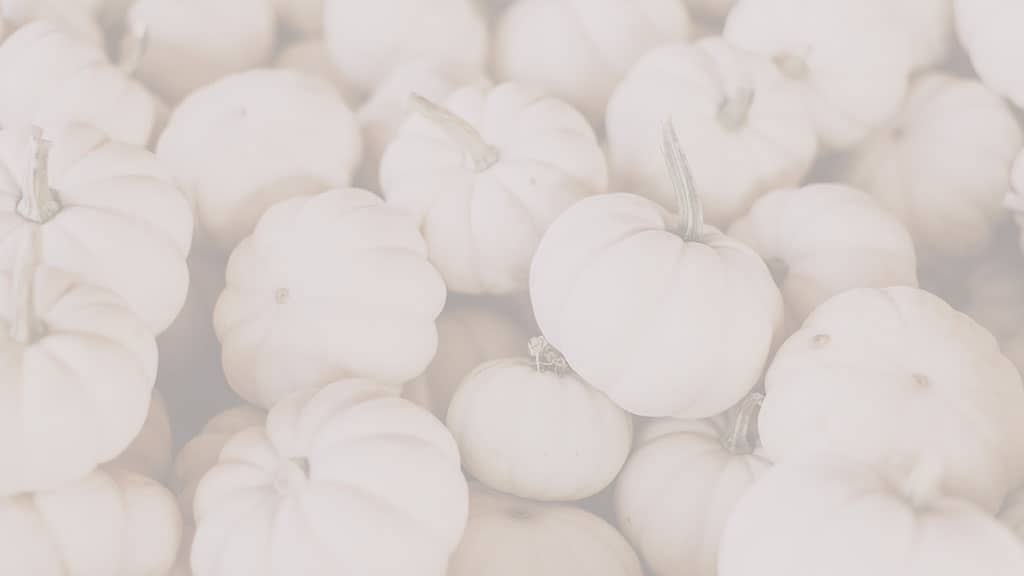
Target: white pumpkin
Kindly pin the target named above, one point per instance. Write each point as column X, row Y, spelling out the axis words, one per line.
column 311, row 57
column 824, row 239
column 110, row 523
column 1015, row 199
column 942, row 165
column 745, row 131
column 369, row 41
column 1012, row 514
column 150, row 453
column 191, row 43
column 53, row 80
column 486, row 175
column 104, row 210
column 286, row 320
column 995, row 299
column 574, row 445
column 848, row 59
column 809, row 518
column 70, row 16
column 663, row 316
column 894, row 376
column 344, row 480
column 578, row 50
column 302, row 16
column 470, row 332
column 989, row 31
column 927, row 25
column 273, row 134
column 679, row 487
column 506, row 536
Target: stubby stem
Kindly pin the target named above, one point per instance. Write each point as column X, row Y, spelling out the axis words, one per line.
column 734, row 111
column 23, row 319
column 792, row 66
column 480, row 154
column 545, row 357
column 133, row 46
column 38, row 202
column 741, row 438
column 691, row 213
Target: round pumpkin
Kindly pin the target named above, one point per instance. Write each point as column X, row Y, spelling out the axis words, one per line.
column 745, row 131
column 824, row 239
column 578, row 50
column 680, row 485
column 941, row 165
column 275, row 134
column 485, row 176
column 113, row 523
column 989, row 31
column 995, row 299
column 892, row 377
column 506, row 535
column 311, row 57
column 576, row 440
column 848, row 59
column 287, row 320
column 809, row 518
column 665, row 317
column 343, row 480
column 150, row 453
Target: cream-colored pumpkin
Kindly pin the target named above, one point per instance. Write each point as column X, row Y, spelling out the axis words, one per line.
column 302, row 16
column 666, row 318
column 1012, row 514
column 109, row 523
column 53, row 80
column 506, row 536
column 311, row 56
column 892, row 377
column 150, row 453
column 942, row 165
column 191, row 43
column 104, row 210
column 824, row 239
column 810, row 518
column 679, row 487
column 275, row 134
column 531, row 428
column 470, row 331
column 744, row 129
column 578, row 50
column 287, row 319
column 995, row 299
column 369, row 41
column 70, row 16
column 848, row 59
column 485, row 176
column 344, row 480
column 989, row 31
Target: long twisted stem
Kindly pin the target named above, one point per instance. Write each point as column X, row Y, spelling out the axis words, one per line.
column 690, row 210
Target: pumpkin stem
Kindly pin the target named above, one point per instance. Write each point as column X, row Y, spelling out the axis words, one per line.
column 38, row 202
column 133, row 46
column 923, row 484
column 691, row 213
column 792, row 66
column 24, row 328
column 742, row 437
column 479, row 153
column 545, row 357
column 734, row 111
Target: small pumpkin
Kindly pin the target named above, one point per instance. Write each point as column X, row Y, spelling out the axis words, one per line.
column 995, row 299
column 576, row 440
column 286, row 321
column 486, row 175
column 278, row 134
column 745, row 131
column 989, row 31
column 345, row 480
column 150, row 453
column 664, row 316
column 941, row 165
column 507, row 535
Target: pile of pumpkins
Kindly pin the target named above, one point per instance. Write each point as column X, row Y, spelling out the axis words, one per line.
column 491, row 287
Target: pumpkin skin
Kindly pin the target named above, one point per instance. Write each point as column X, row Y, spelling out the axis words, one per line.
column 809, row 518
column 109, row 522
column 932, row 383
column 334, row 485
column 287, row 321
column 311, row 57
column 150, row 453
column 53, row 80
column 726, row 105
column 942, row 165
column 119, row 221
column 578, row 50
column 280, row 134
column 989, row 32
column 484, row 203
column 824, row 239
column 369, row 42
column 849, row 87
column 995, row 299
column 573, row 448
column 506, row 536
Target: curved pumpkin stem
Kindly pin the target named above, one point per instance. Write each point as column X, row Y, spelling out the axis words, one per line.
column 24, row 324
column 38, row 202
column 691, row 212
column 742, row 438
column 545, row 357
column 481, row 155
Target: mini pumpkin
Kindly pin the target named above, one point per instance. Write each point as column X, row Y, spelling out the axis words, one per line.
column 664, row 316
column 486, row 175
column 989, row 32
column 150, row 453
column 286, row 321
column 343, row 480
